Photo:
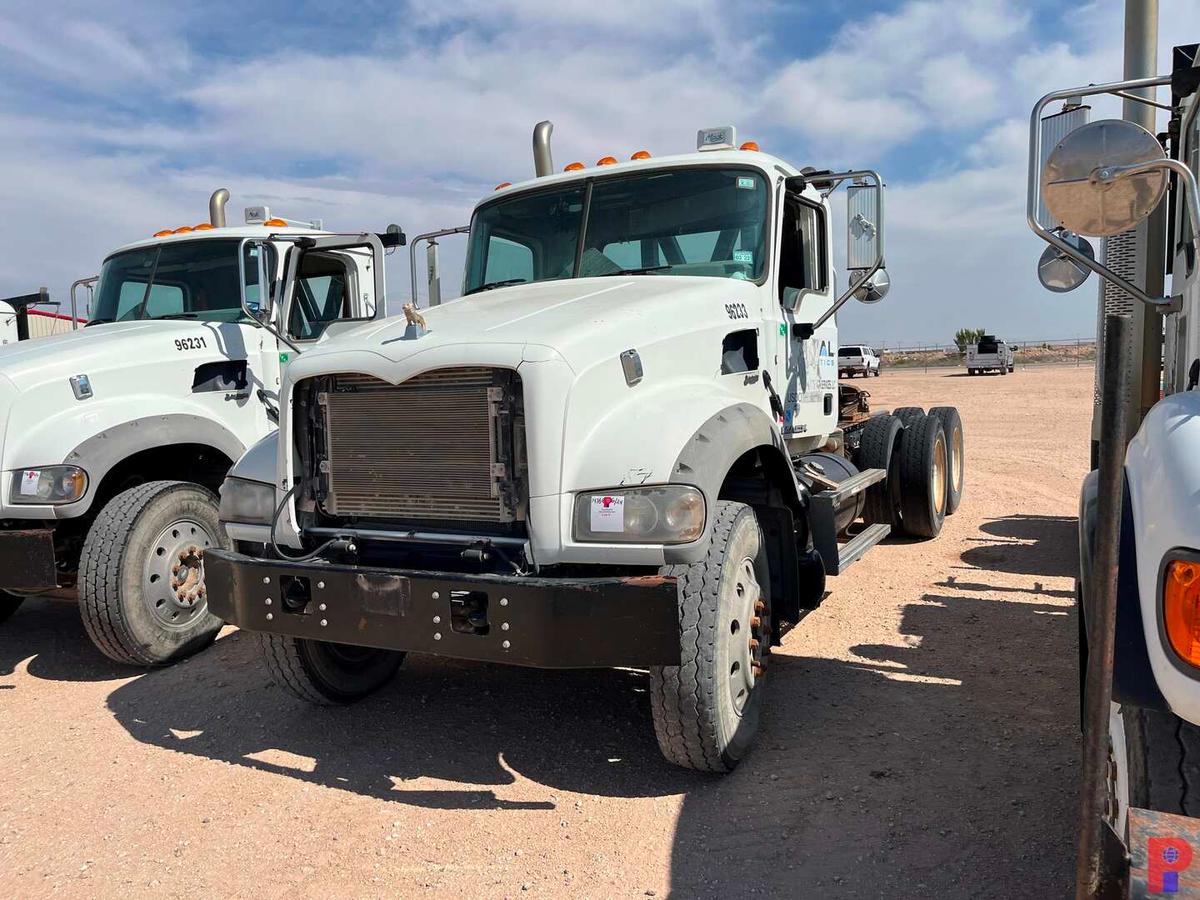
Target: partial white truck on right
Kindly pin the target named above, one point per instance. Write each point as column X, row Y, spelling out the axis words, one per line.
column 989, row 354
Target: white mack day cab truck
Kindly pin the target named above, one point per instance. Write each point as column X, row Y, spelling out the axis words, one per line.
column 620, row 447
column 1139, row 526
column 114, row 438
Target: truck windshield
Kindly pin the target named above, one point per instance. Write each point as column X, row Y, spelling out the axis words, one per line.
column 697, row 221
column 184, row 280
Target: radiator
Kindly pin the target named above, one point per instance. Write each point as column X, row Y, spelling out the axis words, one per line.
column 436, row 448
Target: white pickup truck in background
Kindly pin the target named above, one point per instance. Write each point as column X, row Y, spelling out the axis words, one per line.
column 989, row 355
column 857, row 359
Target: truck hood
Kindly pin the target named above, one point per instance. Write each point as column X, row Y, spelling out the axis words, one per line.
column 581, row 319
column 101, row 348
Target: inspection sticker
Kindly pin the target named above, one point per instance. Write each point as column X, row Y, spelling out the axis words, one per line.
column 746, row 183
column 743, row 256
column 30, row 479
column 608, row 513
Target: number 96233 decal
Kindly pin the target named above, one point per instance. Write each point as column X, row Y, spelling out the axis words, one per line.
column 192, row 343
column 736, row 311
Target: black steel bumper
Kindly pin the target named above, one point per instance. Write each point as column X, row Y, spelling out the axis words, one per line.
column 27, row 560
column 551, row 623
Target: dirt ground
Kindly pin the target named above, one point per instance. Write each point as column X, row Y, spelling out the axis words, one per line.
column 920, row 737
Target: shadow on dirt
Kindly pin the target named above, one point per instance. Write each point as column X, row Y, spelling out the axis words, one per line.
column 893, row 775
column 903, row 774
column 468, row 723
column 1027, row 545
column 50, row 634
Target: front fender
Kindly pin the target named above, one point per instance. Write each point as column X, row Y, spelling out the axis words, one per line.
column 1162, row 468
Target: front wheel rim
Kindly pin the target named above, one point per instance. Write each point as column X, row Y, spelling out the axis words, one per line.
column 745, row 634
column 173, row 574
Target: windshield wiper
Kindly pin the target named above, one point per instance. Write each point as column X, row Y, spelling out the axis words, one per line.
column 645, row 270
column 492, row 285
column 176, row 316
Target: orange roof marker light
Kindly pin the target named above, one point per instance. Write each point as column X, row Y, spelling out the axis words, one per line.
column 1181, row 608
column 502, row 185
column 204, row 226
column 641, row 154
column 182, row 230
column 749, row 145
column 606, row 161
column 275, row 223
column 573, row 167
column 163, row 233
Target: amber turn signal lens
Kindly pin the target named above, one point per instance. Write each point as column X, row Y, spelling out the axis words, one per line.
column 641, row 154
column 606, row 161
column 573, row 167
column 1181, row 609
column 749, row 145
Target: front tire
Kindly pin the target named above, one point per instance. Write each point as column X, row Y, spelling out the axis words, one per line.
column 324, row 673
column 141, row 573
column 706, row 710
column 8, row 604
column 1154, row 763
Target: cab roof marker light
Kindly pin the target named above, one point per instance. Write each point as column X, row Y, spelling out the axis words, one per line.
column 606, row 161
column 184, row 229
column 204, row 226
column 750, row 145
column 723, row 137
column 275, row 223
column 641, row 154
column 574, row 167
column 502, row 185
column 163, row 233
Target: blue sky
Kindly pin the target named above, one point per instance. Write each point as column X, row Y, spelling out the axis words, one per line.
column 120, row 118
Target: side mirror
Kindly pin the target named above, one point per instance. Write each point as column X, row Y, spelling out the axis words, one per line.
column 864, row 226
column 1058, row 271
column 254, row 281
column 873, row 289
column 1102, row 179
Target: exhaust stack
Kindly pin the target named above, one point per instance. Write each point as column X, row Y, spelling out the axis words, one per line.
column 216, row 207
column 543, row 162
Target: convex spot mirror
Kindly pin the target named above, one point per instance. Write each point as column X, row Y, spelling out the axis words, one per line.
column 1060, row 272
column 255, row 280
column 1084, row 187
column 873, row 289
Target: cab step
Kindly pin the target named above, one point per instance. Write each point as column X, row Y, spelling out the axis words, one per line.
column 822, row 514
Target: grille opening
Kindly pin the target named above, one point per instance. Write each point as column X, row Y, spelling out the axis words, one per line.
column 444, row 450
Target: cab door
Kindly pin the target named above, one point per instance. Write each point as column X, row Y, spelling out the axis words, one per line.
column 806, row 364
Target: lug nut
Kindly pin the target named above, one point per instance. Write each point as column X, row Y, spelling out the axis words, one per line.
column 755, row 622
column 759, row 606
column 754, row 645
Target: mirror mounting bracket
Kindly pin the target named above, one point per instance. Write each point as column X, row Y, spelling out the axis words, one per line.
column 1106, row 174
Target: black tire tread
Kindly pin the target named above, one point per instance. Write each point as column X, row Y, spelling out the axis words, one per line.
column 914, row 473
column 8, row 604
column 875, row 449
column 1164, row 755
column 282, row 658
column 683, row 702
column 100, row 572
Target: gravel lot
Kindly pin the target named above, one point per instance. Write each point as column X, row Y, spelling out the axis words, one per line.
column 920, row 737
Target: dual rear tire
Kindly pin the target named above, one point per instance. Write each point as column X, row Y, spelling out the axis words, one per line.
column 925, row 459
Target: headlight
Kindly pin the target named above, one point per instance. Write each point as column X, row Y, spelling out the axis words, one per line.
column 666, row 514
column 51, row 484
column 248, row 502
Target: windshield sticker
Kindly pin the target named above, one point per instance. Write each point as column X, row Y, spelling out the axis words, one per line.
column 744, row 256
column 608, row 514
column 745, row 183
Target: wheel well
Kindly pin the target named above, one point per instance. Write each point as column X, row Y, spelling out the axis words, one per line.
column 763, row 479
column 183, row 462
